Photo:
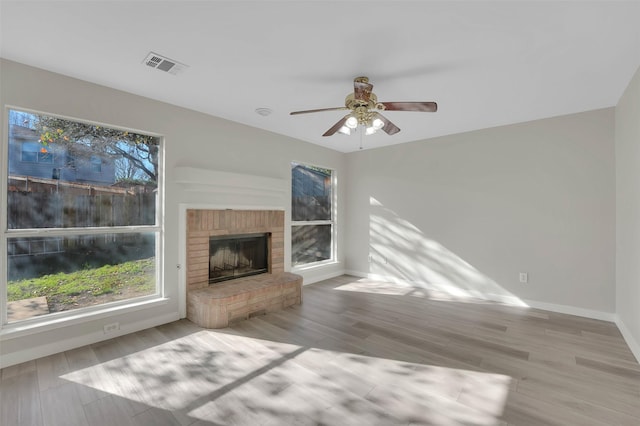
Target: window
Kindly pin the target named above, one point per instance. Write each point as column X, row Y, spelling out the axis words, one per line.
column 96, row 163
column 311, row 214
column 70, row 161
column 73, row 241
column 34, row 152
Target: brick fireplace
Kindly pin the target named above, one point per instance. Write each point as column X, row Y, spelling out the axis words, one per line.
column 214, row 306
column 203, row 224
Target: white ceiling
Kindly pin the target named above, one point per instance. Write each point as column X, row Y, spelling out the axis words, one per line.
column 485, row 63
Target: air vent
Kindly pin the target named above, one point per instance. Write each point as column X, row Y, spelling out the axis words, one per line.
column 163, row 63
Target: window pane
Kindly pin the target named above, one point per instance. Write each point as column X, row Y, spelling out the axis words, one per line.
column 65, row 174
column 96, row 163
column 310, row 243
column 310, row 193
column 30, row 152
column 29, row 156
column 54, row 274
column 45, row 157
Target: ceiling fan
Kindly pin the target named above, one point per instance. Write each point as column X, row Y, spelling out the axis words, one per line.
column 365, row 111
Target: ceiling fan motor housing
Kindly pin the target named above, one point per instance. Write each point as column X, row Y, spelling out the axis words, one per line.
column 363, row 110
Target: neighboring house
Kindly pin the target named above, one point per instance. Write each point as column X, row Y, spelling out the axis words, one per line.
column 28, row 157
column 310, row 182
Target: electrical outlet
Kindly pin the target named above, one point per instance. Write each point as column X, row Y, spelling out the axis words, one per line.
column 524, row 277
column 110, row 328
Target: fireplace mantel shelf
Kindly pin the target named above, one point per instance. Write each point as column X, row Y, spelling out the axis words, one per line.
column 206, row 180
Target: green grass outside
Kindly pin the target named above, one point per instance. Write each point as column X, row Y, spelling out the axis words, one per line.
column 136, row 276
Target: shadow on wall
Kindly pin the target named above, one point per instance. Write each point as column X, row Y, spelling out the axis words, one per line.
column 401, row 253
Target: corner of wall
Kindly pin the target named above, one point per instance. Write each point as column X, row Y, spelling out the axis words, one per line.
column 628, row 337
column 627, row 151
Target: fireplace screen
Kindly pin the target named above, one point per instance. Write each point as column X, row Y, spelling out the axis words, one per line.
column 234, row 256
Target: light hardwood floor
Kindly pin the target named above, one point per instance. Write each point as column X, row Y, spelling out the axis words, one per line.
column 356, row 352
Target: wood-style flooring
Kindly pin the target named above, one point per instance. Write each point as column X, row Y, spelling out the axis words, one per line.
column 356, row 352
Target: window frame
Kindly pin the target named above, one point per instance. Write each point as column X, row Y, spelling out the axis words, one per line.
column 63, row 318
column 332, row 222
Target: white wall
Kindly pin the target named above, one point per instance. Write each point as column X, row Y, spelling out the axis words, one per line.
column 627, row 137
column 464, row 214
column 191, row 140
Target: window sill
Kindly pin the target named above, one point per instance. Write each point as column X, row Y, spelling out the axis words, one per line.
column 41, row 324
column 315, row 265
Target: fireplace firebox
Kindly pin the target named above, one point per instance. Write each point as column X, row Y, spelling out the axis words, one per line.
column 235, row 256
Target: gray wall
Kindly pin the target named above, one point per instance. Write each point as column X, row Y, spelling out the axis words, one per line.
column 191, row 140
column 465, row 214
column 627, row 135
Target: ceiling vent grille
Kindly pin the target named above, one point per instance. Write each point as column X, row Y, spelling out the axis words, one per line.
column 163, row 63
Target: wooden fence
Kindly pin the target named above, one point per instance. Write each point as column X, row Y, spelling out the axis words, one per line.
column 59, row 210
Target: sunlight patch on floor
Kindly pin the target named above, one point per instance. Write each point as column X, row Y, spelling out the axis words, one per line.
column 231, row 379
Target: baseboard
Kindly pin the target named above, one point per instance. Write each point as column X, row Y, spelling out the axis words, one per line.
column 356, row 273
column 86, row 339
column 572, row 310
column 514, row 300
column 318, row 278
column 633, row 344
column 499, row 298
column 311, row 276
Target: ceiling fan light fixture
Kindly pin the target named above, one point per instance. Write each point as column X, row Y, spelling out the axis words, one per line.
column 352, row 122
column 370, row 130
column 344, row 130
column 373, row 125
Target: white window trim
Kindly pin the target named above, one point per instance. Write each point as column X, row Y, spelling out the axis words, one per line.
column 65, row 318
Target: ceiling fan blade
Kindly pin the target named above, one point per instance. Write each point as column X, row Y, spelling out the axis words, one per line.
column 317, row 110
column 389, row 127
column 337, row 126
column 410, row 106
column 362, row 90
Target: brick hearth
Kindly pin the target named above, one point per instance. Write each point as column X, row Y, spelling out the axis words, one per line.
column 221, row 304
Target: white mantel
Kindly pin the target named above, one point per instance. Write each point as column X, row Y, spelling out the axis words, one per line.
column 232, row 190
